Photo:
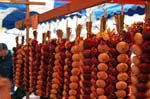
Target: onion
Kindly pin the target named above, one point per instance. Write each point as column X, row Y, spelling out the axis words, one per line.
column 68, row 45
column 122, row 76
column 112, row 62
column 142, row 78
column 74, row 78
column 71, row 97
column 102, row 75
column 87, row 61
column 133, row 89
column 52, row 96
column 145, row 58
column 144, row 68
column 102, row 67
column 103, row 47
column 86, row 69
column 94, row 52
column 141, row 87
column 100, row 91
column 92, row 95
column 122, row 47
column 113, row 52
column 102, row 97
column 81, row 44
column 146, row 33
column 85, row 83
column 132, row 96
column 55, row 80
column 134, row 79
column 123, row 58
column 121, row 85
column 54, row 91
column 135, row 70
column 68, row 54
column 56, row 75
column 148, row 84
column 148, row 93
column 111, row 80
column 76, row 57
column 55, row 86
column 75, row 71
column 100, row 83
column 89, row 43
column 86, row 90
column 87, row 53
column 140, row 95
column 75, row 49
column 138, row 38
column 112, row 71
column 72, row 92
column 57, row 56
column 73, row 85
column 136, row 49
column 84, row 96
column 103, row 57
column 136, row 60
column 66, row 67
column 85, row 76
column 95, row 61
column 112, row 96
column 121, row 93
column 76, row 64
column 64, row 93
column 146, row 47
column 122, row 67
column 110, row 89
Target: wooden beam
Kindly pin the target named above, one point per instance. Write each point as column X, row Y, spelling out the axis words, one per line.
column 74, row 6
column 27, row 26
column 30, row 2
column 21, row 2
column 5, row 1
column 130, row 1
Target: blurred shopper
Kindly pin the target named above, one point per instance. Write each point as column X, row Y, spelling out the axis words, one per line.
column 6, row 66
column 5, row 87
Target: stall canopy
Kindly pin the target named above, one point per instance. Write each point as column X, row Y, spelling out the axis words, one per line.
column 10, row 13
column 114, row 9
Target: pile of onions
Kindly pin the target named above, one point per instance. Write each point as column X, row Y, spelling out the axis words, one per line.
column 42, row 73
column 26, row 66
column 68, row 66
column 122, row 77
column 32, row 65
column 140, row 88
column 57, row 75
column 102, row 68
column 51, row 44
column 110, row 66
column 17, row 66
column 38, row 54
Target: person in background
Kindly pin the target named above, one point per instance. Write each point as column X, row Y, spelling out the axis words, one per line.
column 5, row 87
column 6, row 66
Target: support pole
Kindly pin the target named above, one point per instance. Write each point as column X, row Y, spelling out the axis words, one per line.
column 147, row 13
column 27, row 16
column 27, row 34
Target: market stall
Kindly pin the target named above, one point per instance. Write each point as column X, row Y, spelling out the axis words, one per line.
column 96, row 66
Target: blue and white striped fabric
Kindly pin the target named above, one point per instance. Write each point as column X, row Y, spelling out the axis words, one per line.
column 10, row 13
column 114, row 9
